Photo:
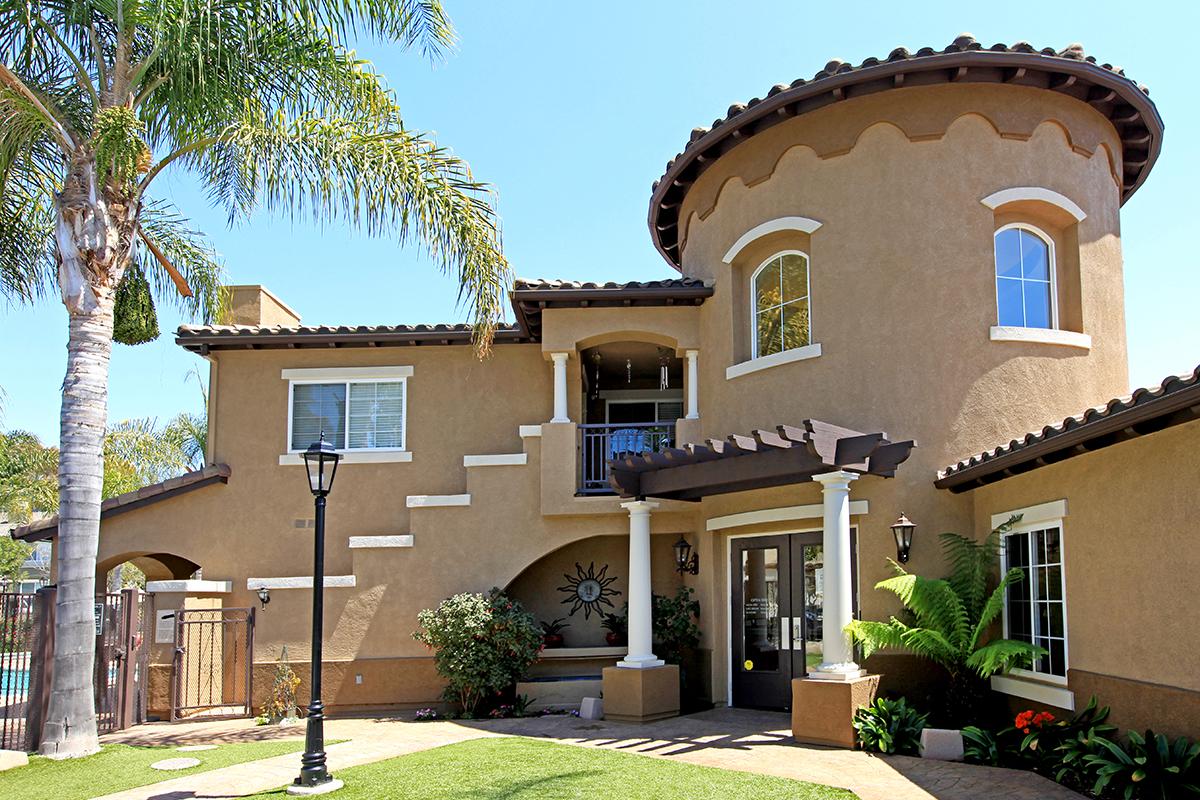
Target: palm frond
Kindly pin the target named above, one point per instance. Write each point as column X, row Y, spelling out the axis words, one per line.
column 934, row 603
column 28, row 476
column 1001, row 655
column 994, row 605
column 374, row 176
column 190, row 252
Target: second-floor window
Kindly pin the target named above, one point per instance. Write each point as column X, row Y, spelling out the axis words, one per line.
column 781, row 304
column 353, row 415
column 1024, row 278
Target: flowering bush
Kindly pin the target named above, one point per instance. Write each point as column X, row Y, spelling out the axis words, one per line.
column 1028, row 720
column 482, row 644
column 426, row 715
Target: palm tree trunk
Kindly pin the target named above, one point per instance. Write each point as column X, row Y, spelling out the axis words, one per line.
column 92, row 236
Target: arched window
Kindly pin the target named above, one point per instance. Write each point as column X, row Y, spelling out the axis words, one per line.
column 781, row 304
column 1025, row 295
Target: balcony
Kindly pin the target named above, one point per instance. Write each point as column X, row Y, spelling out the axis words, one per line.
column 599, row 443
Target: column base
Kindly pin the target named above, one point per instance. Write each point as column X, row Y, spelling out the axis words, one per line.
column 640, row 662
column 645, row 694
column 823, row 710
column 837, row 672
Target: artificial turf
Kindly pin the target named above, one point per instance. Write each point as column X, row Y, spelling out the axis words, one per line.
column 514, row 768
column 117, row 767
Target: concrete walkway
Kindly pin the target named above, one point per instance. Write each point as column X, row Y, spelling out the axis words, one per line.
column 748, row 741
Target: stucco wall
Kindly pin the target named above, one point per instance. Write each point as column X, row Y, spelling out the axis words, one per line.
column 1129, row 540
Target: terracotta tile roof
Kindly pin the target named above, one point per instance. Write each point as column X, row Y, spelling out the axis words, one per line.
column 530, row 297
column 217, row 473
column 541, row 284
column 201, row 338
column 1176, row 400
column 1069, row 71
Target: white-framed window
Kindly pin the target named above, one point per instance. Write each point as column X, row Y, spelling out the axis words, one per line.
column 357, row 409
column 1026, row 296
column 780, row 304
column 1035, row 609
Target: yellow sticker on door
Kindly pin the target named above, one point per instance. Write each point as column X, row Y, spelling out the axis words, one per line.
column 748, row 664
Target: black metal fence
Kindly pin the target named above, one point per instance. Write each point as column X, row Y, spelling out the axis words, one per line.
column 27, row 653
column 600, row 443
column 19, row 641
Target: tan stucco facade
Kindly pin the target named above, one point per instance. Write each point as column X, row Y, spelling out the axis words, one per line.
column 902, row 304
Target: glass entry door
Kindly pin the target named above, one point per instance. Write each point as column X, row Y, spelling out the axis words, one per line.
column 777, row 585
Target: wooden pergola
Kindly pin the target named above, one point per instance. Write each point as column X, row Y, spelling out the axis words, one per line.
column 789, row 454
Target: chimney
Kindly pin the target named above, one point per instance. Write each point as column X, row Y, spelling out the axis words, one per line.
column 256, row 305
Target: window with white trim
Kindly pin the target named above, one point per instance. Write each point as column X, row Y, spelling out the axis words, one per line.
column 1035, row 609
column 353, row 415
column 1025, row 292
column 780, row 297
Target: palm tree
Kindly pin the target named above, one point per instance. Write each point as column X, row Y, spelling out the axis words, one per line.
column 266, row 105
column 950, row 622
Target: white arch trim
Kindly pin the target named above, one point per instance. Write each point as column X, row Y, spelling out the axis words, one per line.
column 802, row 224
column 1005, row 196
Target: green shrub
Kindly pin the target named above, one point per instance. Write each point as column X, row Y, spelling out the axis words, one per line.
column 981, row 747
column 674, row 621
column 482, row 644
column 890, row 726
column 1148, row 767
column 282, row 704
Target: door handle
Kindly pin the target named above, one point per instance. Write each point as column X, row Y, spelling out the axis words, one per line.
column 797, row 629
column 785, row 642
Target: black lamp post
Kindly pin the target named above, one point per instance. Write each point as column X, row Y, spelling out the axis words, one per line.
column 320, row 460
column 685, row 559
column 903, row 529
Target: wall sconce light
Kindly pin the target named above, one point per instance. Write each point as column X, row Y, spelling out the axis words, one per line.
column 903, row 529
column 264, row 597
column 685, row 559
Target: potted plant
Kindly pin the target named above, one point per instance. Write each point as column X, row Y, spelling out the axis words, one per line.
column 552, row 632
column 617, row 626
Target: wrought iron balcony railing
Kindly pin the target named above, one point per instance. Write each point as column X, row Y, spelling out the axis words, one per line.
column 599, row 443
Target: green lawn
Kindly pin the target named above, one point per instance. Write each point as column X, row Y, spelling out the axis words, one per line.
column 527, row 769
column 120, row 766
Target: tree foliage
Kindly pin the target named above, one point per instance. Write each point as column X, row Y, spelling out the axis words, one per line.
column 263, row 101
column 136, row 453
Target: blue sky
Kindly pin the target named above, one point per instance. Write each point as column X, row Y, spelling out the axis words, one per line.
column 572, row 111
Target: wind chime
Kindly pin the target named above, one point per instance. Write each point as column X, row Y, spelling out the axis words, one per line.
column 664, row 375
column 596, row 380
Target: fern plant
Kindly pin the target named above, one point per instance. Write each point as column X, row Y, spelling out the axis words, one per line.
column 950, row 622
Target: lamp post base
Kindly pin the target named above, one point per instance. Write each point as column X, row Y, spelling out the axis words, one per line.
column 331, row 785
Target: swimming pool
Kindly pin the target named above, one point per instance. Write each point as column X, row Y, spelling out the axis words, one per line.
column 13, row 682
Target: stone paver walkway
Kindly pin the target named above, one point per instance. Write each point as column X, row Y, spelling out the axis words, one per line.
column 749, row 741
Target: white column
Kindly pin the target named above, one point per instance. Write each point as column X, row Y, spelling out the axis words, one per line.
column 837, row 654
column 560, row 387
column 693, row 385
column 641, row 630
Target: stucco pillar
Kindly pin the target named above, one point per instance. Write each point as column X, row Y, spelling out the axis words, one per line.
column 560, row 387
column 693, row 385
column 641, row 630
column 837, row 654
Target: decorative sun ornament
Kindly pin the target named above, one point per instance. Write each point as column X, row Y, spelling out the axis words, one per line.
column 588, row 589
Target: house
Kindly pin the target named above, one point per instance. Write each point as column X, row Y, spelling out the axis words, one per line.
column 879, row 272
column 33, row 572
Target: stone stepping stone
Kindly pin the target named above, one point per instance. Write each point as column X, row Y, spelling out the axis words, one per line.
column 196, row 748
column 171, row 764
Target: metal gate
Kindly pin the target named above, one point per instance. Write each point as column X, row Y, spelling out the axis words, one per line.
column 122, row 659
column 19, row 642
column 214, row 654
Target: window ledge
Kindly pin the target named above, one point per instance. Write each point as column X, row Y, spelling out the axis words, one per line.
column 1006, row 333
column 359, row 457
column 773, row 360
column 1036, row 690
